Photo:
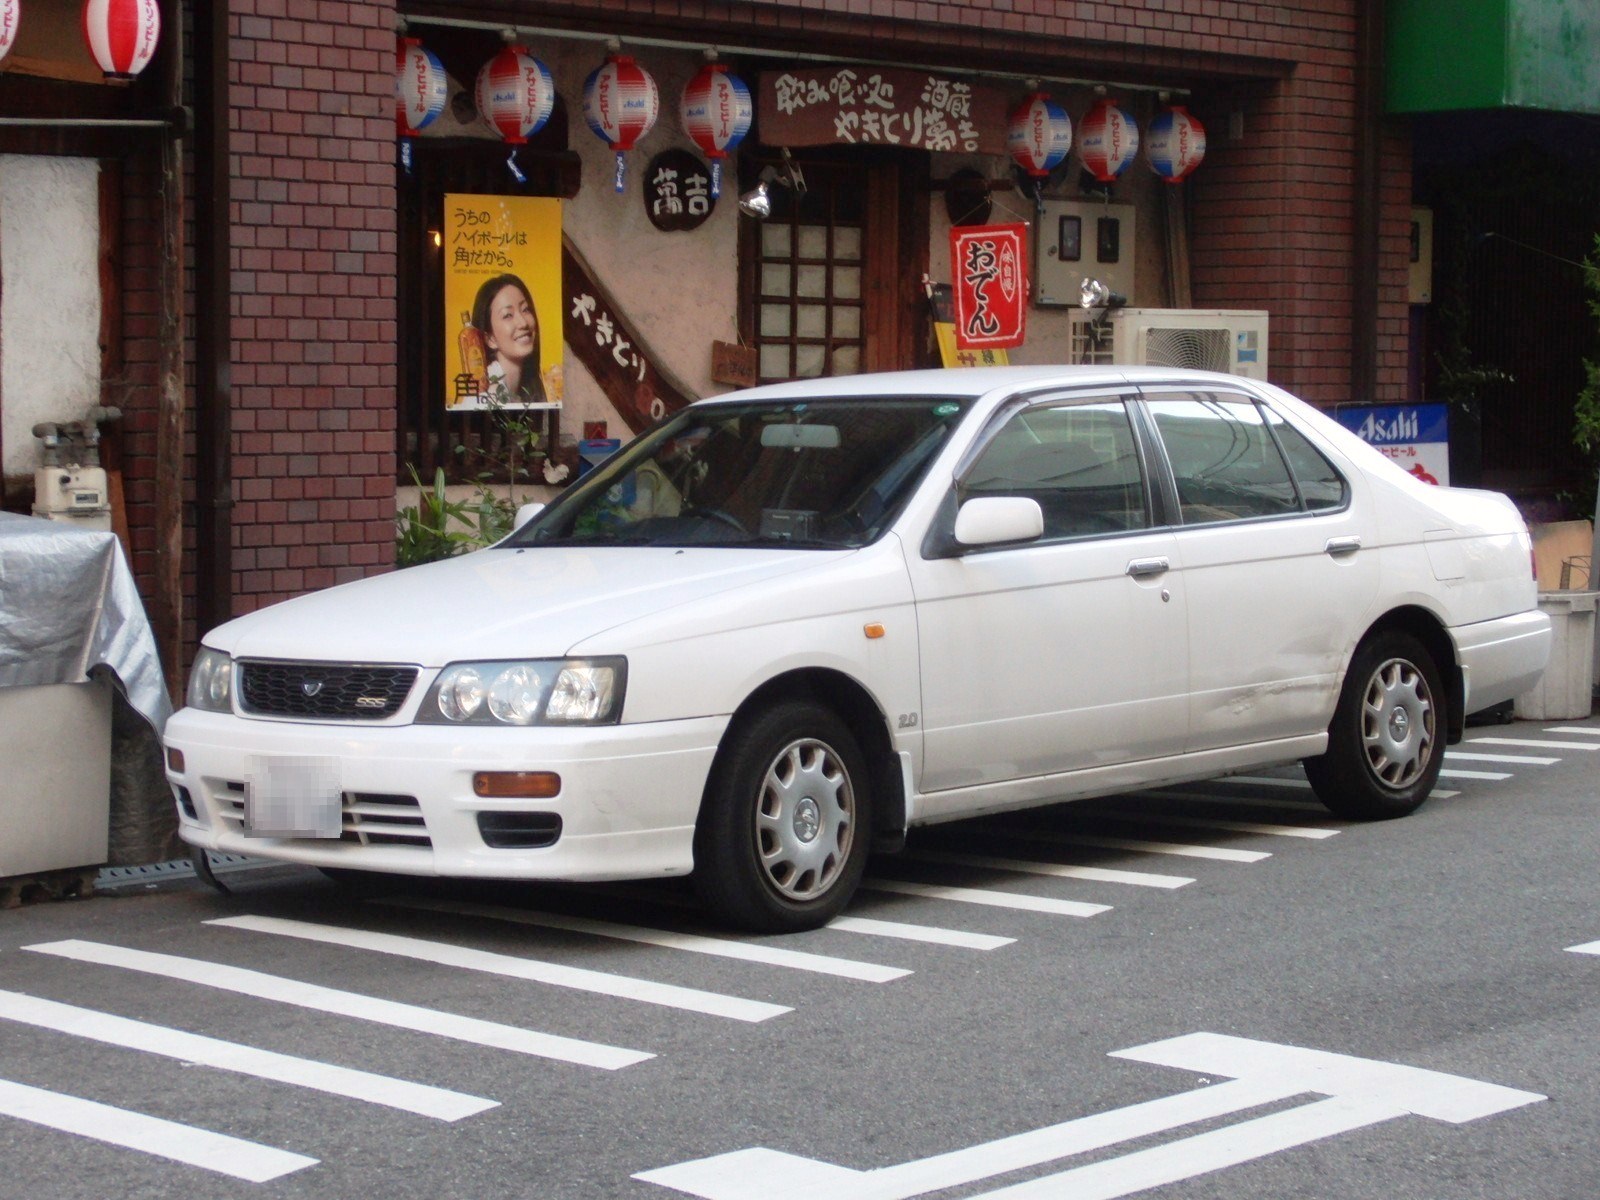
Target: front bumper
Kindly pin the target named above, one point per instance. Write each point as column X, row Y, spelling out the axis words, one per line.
column 628, row 799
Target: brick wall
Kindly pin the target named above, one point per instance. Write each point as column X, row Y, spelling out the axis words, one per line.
column 314, row 355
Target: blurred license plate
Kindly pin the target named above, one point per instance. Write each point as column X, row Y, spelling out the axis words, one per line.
column 295, row 797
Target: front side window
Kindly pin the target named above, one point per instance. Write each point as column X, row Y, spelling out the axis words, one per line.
column 1079, row 461
column 827, row 474
column 1225, row 463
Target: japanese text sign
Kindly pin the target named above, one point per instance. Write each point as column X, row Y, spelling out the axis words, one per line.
column 828, row 106
column 1416, row 436
column 991, row 287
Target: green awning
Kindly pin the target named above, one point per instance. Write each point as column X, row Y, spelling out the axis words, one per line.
column 1444, row 55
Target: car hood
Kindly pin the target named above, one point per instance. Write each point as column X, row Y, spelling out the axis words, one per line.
column 499, row 603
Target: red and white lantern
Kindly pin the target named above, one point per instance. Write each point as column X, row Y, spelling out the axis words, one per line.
column 516, row 94
column 420, row 87
column 621, row 103
column 1040, row 135
column 10, row 11
column 716, row 111
column 1108, row 140
column 121, row 34
column 1175, row 144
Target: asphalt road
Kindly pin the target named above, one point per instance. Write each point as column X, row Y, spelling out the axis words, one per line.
column 1259, row 1002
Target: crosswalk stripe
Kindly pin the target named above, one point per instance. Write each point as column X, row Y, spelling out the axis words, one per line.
column 920, row 933
column 439, row 1103
column 512, row 967
column 188, row 1144
column 1532, row 743
column 1453, row 773
column 773, row 956
column 1057, row 870
column 1586, row 948
column 1044, row 904
column 1137, row 845
column 1582, row 730
column 1296, row 831
column 1531, row 760
column 347, row 1004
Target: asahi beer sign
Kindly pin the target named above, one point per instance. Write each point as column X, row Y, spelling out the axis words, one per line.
column 1417, row 436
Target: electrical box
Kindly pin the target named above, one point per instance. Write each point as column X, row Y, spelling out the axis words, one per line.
column 73, row 494
column 1078, row 239
column 1420, row 282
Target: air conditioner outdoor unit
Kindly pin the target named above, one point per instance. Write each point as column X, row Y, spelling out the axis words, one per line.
column 1234, row 341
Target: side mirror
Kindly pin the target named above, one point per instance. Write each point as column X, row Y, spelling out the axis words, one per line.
column 527, row 513
column 995, row 520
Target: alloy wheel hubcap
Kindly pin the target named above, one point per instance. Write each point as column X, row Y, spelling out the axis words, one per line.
column 805, row 820
column 1397, row 725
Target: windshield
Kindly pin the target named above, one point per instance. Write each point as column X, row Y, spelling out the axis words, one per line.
column 823, row 474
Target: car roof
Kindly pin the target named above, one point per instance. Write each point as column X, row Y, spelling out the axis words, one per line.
column 971, row 382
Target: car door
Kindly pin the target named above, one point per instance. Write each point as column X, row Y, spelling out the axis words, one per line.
column 1067, row 651
column 1278, row 563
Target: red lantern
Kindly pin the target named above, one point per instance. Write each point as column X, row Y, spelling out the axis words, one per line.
column 1108, row 140
column 121, row 34
column 716, row 111
column 620, row 102
column 1175, row 144
column 516, row 94
column 421, row 86
column 1040, row 136
column 9, row 12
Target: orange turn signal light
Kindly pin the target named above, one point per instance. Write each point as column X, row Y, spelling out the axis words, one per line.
column 872, row 630
column 175, row 760
column 516, row 785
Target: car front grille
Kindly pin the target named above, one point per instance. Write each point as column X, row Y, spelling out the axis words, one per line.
column 367, row 818
column 323, row 690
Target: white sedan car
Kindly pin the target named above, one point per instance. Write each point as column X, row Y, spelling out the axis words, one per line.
column 787, row 624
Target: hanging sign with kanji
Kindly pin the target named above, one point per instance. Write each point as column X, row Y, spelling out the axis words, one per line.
column 677, row 191
column 990, row 285
column 873, row 106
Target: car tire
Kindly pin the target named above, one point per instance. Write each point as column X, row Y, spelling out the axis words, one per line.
column 784, row 828
column 1386, row 741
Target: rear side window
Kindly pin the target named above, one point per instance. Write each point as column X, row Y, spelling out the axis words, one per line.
column 1224, row 459
column 1078, row 461
column 1321, row 487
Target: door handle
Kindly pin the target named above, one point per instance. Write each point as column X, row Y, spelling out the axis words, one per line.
column 1143, row 568
column 1342, row 545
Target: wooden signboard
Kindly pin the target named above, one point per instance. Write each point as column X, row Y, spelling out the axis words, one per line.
column 878, row 106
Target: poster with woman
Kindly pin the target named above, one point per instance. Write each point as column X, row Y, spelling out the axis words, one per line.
column 502, row 302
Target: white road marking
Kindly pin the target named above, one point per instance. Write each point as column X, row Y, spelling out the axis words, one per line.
column 1586, row 948
column 920, row 933
column 1532, row 744
column 773, row 956
column 1531, row 760
column 347, row 1004
column 188, row 1144
column 1139, row 846
column 1296, row 831
column 1450, row 773
column 438, row 1103
column 512, row 967
column 1583, row 730
column 1057, row 870
column 1267, row 781
column 1359, row 1092
column 1063, row 908
column 1311, row 806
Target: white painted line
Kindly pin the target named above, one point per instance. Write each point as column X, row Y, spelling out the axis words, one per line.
column 1138, row 846
column 512, row 967
column 438, row 1103
column 1063, row 908
column 1532, row 744
column 1057, row 870
column 1226, row 801
column 188, row 1144
column 1451, row 773
column 1205, row 1152
column 1582, row 730
column 1586, row 948
column 1442, row 793
column 1295, row 831
column 920, row 933
column 1267, row 781
column 1531, row 760
column 772, row 956
column 347, row 1004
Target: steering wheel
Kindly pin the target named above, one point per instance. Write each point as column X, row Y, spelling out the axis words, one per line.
column 718, row 514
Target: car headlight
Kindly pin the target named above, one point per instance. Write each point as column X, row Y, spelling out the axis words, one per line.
column 535, row 691
column 211, row 682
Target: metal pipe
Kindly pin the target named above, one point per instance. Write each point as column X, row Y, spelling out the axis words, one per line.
column 90, row 122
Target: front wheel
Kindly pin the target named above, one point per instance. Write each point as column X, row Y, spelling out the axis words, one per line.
column 782, row 837
column 1386, row 741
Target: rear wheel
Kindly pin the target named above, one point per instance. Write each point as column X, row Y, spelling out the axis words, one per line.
column 782, row 838
column 1386, row 741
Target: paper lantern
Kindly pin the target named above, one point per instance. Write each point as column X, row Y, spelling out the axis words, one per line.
column 10, row 10
column 1040, row 136
column 621, row 103
column 420, row 87
column 1108, row 140
column 1175, row 144
column 716, row 111
column 516, row 94
column 121, row 34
